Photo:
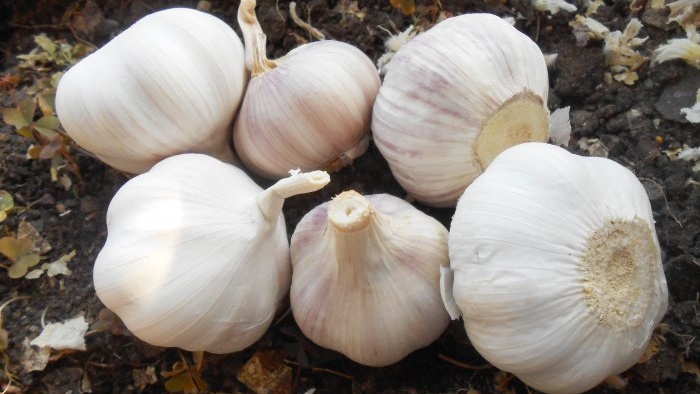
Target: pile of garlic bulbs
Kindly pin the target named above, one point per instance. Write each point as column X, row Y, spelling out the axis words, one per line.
column 551, row 259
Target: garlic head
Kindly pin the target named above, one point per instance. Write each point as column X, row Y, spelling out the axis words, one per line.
column 453, row 98
column 309, row 109
column 197, row 255
column 557, row 268
column 171, row 83
column 374, row 258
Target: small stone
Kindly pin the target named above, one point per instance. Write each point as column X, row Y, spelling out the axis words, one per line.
column 679, row 95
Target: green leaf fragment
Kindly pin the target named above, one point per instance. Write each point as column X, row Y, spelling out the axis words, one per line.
column 20, row 267
column 14, row 117
column 45, row 43
column 48, row 126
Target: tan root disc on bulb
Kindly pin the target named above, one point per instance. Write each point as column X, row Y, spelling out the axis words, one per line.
column 349, row 211
column 523, row 118
column 619, row 268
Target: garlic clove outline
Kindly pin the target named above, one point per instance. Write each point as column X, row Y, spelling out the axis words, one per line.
column 455, row 97
column 171, row 83
column 309, row 109
column 557, row 268
column 377, row 259
column 197, row 255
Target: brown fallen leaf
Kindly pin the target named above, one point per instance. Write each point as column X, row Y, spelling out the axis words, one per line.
column 266, row 373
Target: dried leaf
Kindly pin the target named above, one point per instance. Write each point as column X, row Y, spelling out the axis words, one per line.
column 63, row 336
column 14, row 248
column 407, row 7
column 15, row 117
column 39, row 244
column 20, row 267
column 27, row 107
column 4, row 339
column 266, row 373
column 6, row 203
column 46, row 43
column 34, row 359
column 47, row 104
column 144, row 377
column 48, row 125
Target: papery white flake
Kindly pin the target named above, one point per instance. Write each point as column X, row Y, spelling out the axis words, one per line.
column 692, row 114
column 392, row 45
column 69, row 335
column 689, row 154
column 560, row 126
column 553, row 6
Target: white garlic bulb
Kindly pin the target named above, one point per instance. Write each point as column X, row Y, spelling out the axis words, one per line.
column 309, row 109
column 171, row 83
column 557, row 268
column 366, row 277
column 453, row 98
column 197, row 255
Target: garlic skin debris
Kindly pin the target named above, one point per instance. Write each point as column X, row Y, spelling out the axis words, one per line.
column 197, row 255
column 366, row 277
column 309, row 109
column 557, row 268
column 453, row 98
column 169, row 84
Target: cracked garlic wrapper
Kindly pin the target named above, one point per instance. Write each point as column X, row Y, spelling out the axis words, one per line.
column 453, row 98
column 366, row 277
column 197, row 255
column 557, row 268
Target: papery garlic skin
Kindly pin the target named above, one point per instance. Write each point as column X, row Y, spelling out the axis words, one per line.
column 197, row 255
column 557, row 268
column 310, row 109
column 453, row 98
column 366, row 277
column 169, row 84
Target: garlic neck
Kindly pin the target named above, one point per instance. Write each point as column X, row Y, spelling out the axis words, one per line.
column 256, row 60
column 270, row 200
column 357, row 230
column 349, row 211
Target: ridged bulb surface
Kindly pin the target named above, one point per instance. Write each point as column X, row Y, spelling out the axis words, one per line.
column 310, row 109
column 365, row 280
column 557, row 268
column 169, row 84
column 453, row 98
column 196, row 256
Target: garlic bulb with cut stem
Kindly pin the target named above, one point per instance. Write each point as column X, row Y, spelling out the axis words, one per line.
column 169, row 84
column 197, row 255
column 453, row 98
column 309, row 109
column 365, row 278
column 557, row 268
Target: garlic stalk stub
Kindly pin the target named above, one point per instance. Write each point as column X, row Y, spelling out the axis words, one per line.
column 557, row 268
column 453, row 99
column 169, row 84
column 365, row 277
column 308, row 109
column 197, row 255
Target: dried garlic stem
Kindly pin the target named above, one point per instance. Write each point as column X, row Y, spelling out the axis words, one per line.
column 349, row 211
column 270, row 200
column 256, row 60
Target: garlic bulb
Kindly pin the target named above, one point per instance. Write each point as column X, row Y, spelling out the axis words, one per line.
column 366, row 274
column 171, row 83
column 557, row 269
column 309, row 109
column 453, row 98
column 197, row 255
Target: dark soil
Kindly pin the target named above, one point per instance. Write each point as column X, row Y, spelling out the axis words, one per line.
column 636, row 124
